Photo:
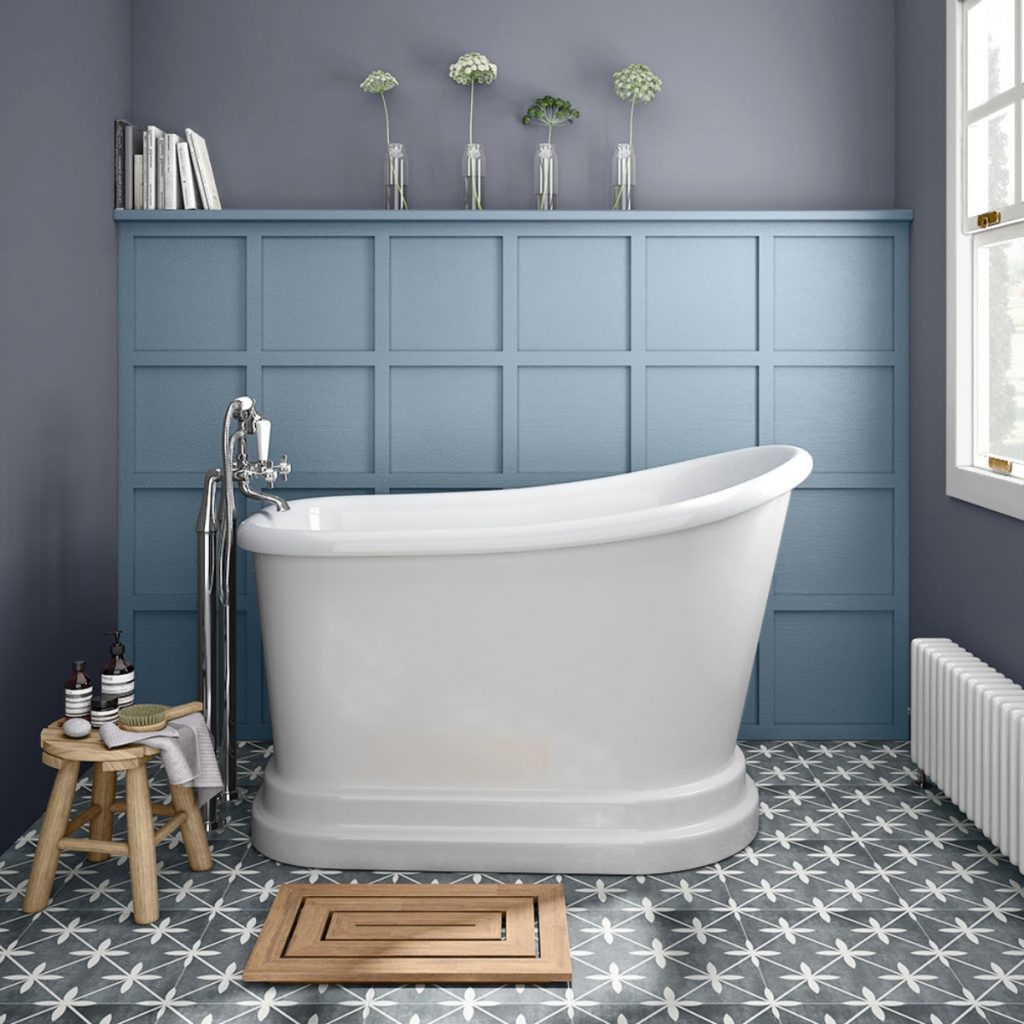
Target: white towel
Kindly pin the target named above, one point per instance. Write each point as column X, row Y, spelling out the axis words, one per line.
column 187, row 748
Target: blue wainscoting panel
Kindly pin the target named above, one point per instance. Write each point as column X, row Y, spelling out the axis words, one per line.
column 446, row 293
column 179, row 412
column 834, row 667
column 323, row 416
column 699, row 410
column 573, row 419
column 574, row 293
column 446, row 419
column 427, row 351
column 843, row 415
column 702, row 293
column 164, row 652
column 837, row 541
column 318, row 293
column 834, row 293
column 165, row 541
column 211, row 272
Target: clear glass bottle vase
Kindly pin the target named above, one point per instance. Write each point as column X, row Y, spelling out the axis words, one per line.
column 397, row 178
column 473, row 177
column 545, row 177
column 623, row 177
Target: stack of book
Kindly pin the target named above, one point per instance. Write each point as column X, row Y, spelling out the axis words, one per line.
column 156, row 170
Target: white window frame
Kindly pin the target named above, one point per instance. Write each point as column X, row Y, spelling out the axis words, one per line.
column 992, row 490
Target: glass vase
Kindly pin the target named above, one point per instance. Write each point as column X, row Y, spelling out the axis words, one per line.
column 473, row 177
column 396, row 195
column 545, row 177
column 623, row 177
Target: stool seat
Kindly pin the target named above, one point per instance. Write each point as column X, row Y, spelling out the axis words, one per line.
column 67, row 756
column 90, row 748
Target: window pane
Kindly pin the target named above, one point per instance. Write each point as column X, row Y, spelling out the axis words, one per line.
column 990, row 162
column 989, row 50
column 1000, row 350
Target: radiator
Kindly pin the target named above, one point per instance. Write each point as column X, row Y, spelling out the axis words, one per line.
column 967, row 736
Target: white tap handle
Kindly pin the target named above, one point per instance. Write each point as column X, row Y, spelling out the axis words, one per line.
column 263, row 439
column 245, row 403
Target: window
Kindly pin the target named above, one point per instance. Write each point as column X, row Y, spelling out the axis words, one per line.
column 985, row 393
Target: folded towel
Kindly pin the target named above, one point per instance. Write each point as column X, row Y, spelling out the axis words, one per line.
column 187, row 748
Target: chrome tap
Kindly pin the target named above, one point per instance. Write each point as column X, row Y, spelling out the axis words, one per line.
column 250, row 422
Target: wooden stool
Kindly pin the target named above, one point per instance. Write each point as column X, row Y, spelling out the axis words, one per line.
column 67, row 755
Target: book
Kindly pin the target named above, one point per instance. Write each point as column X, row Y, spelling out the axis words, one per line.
column 137, row 200
column 161, row 173
column 119, row 182
column 127, row 145
column 188, row 188
column 205, row 183
column 170, row 182
column 149, row 175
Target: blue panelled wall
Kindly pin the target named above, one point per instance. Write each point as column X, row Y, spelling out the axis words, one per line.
column 426, row 350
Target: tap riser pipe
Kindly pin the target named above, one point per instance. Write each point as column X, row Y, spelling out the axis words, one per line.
column 228, row 677
column 206, row 620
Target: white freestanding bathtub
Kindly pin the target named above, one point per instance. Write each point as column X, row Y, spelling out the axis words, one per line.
column 541, row 679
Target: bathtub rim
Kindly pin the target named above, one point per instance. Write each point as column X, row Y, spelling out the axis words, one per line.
column 263, row 532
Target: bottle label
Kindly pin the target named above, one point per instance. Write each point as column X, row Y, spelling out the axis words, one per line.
column 77, row 702
column 121, row 686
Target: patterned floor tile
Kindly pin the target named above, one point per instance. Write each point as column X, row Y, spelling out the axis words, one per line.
column 863, row 898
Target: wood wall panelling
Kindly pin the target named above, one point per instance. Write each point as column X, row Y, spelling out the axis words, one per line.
column 447, row 352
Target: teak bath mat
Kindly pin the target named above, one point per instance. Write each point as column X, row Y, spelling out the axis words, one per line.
column 420, row 934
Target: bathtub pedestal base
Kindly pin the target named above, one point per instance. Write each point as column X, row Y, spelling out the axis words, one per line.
column 635, row 832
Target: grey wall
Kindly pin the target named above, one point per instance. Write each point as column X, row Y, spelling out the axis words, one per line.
column 64, row 76
column 967, row 564
column 767, row 103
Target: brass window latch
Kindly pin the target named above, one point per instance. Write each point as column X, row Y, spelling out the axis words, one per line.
column 986, row 220
column 1000, row 465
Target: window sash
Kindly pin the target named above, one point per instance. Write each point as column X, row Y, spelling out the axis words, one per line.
column 1012, row 98
column 966, row 481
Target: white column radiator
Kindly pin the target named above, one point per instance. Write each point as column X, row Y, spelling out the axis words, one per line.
column 967, row 735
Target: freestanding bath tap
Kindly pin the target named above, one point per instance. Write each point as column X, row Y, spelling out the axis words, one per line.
column 215, row 565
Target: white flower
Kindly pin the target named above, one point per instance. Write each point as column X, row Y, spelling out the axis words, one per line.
column 636, row 83
column 378, row 81
column 473, row 69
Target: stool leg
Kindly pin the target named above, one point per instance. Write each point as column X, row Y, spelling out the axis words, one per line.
column 192, row 831
column 55, row 823
column 102, row 826
column 141, row 848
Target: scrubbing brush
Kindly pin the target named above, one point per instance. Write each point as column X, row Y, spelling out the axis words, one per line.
column 153, row 717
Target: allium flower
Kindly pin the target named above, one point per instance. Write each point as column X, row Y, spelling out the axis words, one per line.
column 473, row 69
column 378, row 82
column 636, row 83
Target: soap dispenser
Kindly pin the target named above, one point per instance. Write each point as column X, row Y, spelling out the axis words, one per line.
column 118, row 675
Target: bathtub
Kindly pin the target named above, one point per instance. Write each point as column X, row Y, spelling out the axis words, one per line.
column 539, row 679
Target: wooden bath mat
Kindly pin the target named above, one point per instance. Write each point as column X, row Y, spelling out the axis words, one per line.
column 421, row 934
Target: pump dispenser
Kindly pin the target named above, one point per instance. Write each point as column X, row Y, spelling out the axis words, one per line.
column 118, row 675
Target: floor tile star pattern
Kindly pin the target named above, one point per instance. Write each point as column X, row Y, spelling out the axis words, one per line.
column 863, row 898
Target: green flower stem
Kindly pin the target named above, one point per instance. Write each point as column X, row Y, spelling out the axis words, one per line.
column 473, row 168
column 622, row 184
column 391, row 160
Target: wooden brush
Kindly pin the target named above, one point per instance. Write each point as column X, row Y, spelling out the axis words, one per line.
column 153, row 717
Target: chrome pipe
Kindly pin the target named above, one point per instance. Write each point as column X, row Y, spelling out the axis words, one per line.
column 206, row 618
column 228, row 676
